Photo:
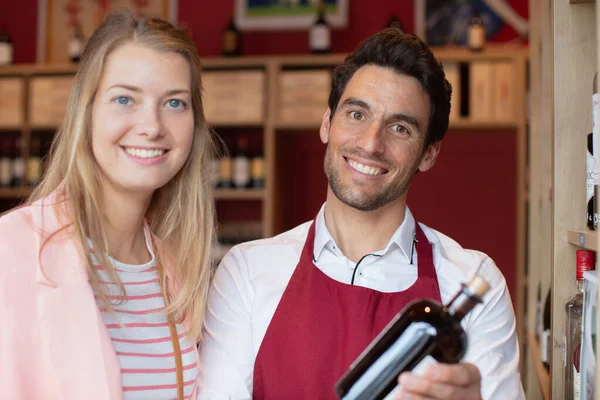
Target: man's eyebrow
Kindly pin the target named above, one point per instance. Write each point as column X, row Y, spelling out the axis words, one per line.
column 353, row 101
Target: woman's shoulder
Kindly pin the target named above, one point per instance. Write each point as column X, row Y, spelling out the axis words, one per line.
column 16, row 222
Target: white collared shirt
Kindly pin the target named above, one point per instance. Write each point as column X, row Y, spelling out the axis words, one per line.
column 253, row 276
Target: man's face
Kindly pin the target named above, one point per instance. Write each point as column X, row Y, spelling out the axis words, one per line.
column 375, row 141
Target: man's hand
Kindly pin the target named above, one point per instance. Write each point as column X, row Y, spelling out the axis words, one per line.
column 442, row 382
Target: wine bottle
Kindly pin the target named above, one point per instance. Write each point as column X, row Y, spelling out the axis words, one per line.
column 320, row 32
column 423, row 328
column 395, row 22
column 596, row 131
column 34, row 166
column 258, row 171
column 5, row 162
column 538, row 313
column 241, row 165
column 76, row 44
column 546, row 342
column 6, row 48
column 592, row 215
column 586, row 261
column 231, row 40
column 476, row 33
column 18, row 164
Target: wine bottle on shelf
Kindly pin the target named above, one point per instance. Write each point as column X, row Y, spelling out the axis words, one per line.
column 592, row 215
column 225, row 172
column 241, row 165
column 546, row 342
column 258, row 171
column 395, row 22
column 18, row 164
column 34, row 165
column 423, row 328
column 6, row 47
column 476, row 33
column 76, row 44
column 231, row 39
column 5, row 162
column 320, row 32
column 596, row 131
column 586, row 261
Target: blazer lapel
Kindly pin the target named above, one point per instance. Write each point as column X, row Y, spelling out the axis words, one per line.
column 81, row 353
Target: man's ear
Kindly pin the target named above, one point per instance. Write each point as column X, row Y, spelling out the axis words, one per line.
column 325, row 125
column 430, row 156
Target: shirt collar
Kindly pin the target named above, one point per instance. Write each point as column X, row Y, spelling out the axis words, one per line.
column 402, row 237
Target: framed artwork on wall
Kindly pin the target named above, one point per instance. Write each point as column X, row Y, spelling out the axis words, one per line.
column 445, row 22
column 57, row 20
column 287, row 14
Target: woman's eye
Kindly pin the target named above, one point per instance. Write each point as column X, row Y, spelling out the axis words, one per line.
column 175, row 103
column 123, row 100
column 356, row 115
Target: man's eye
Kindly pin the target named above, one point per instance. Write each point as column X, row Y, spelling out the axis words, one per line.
column 399, row 128
column 357, row 115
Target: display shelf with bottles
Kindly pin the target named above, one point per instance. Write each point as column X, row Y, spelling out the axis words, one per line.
column 563, row 59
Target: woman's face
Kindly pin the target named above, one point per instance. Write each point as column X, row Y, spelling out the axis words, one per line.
column 142, row 118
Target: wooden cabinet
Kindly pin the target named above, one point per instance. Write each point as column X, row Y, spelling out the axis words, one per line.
column 564, row 57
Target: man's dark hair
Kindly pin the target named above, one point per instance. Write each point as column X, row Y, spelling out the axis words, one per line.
column 406, row 54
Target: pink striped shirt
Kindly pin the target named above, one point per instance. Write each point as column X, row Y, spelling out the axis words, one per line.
column 142, row 341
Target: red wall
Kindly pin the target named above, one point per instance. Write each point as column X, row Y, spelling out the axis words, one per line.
column 207, row 18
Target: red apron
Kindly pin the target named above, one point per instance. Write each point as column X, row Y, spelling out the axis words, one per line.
column 321, row 326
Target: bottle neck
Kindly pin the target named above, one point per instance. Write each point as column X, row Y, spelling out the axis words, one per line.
column 462, row 303
column 579, row 286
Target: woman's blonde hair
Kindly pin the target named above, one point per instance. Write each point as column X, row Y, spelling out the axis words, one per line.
column 180, row 214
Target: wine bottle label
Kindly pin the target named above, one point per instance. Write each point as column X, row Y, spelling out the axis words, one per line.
column 590, row 175
column 229, row 41
column 544, row 345
column 18, row 167
column 241, row 171
column 576, row 383
column 5, row 171
column 320, row 37
column 258, row 168
column 34, row 170
column 419, row 370
column 75, row 47
column 476, row 36
column 6, row 53
column 225, row 169
column 596, row 133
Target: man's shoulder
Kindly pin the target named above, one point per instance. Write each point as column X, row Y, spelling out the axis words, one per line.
column 463, row 262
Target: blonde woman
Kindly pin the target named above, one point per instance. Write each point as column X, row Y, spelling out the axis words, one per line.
column 104, row 272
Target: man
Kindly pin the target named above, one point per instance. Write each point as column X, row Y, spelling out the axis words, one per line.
column 287, row 315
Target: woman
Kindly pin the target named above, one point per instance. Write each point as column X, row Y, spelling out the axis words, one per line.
column 105, row 269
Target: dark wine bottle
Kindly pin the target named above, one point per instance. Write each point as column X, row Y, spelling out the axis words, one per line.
column 320, row 32
column 423, row 328
column 592, row 217
column 546, row 342
column 231, row 40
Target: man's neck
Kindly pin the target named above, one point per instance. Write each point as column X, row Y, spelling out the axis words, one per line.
column 362, row 232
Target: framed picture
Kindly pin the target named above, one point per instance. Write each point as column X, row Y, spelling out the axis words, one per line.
column 445, row 22
column 57, row 20
column 287, row 14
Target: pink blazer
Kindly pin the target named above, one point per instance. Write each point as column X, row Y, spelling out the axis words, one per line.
column 53, row 341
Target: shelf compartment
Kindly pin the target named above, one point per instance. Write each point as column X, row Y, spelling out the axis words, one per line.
column 542, row 375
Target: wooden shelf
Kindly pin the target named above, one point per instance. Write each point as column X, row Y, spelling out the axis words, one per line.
column 239, row 194
column 540, row 371
column 14, row 193
column 237, row 124
column 583, row 238
column 581, row 1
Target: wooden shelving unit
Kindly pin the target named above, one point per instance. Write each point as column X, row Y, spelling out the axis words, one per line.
column 13, row 193
column 240, row 194
column 563, row 58
column 542, row 375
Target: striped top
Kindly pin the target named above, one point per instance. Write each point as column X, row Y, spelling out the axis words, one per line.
column 143, row 344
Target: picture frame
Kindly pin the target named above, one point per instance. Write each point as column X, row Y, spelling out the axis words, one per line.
column 264, row 15
column 56, row 19
column 443, row 23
